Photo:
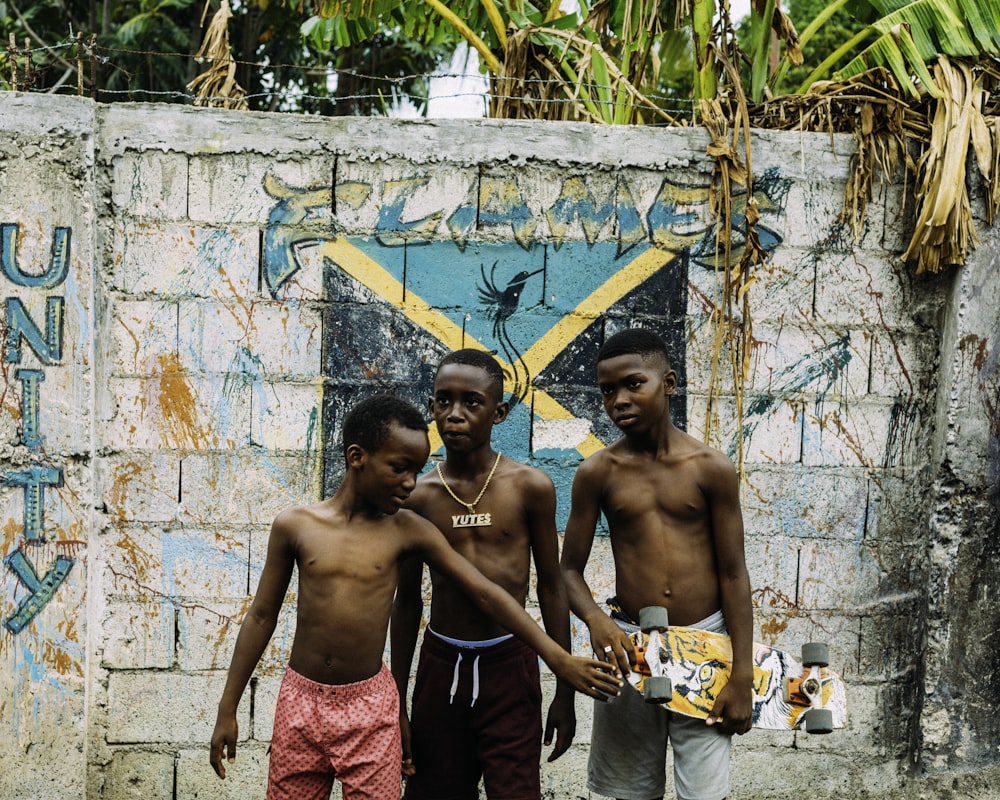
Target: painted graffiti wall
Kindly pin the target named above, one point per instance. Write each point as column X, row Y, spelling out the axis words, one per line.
column 193, row 299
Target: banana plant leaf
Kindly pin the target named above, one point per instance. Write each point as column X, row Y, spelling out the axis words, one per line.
column 909, row 35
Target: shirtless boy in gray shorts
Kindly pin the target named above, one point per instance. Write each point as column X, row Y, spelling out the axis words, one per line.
column 676, row 530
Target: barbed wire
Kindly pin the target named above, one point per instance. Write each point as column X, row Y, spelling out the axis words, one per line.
column 89, row 59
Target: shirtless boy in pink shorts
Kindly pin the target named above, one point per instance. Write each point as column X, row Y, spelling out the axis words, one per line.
column 338, row 708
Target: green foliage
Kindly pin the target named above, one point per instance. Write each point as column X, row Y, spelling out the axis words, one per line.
column 836, row 30
column 145, row 48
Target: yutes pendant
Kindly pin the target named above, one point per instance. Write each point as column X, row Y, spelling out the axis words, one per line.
column 471, row 520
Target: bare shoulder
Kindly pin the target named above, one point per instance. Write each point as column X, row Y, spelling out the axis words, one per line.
column 292, row 519
column 413, row 529
column 713, row 466
column 526, row 478
column 594, row 476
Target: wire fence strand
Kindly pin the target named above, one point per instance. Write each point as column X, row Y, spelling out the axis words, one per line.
column 100, row 74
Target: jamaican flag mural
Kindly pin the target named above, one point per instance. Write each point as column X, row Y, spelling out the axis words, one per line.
column 538, row 297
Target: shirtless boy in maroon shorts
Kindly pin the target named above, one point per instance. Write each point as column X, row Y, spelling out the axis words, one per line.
column 477, row 703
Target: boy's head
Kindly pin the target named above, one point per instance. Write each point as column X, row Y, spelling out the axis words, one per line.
column 367, row 424
column 635, row 341
column 477, row 358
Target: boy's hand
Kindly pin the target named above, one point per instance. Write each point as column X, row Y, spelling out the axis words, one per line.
column 595, row 679
column 733, row 710
column 611, row 643
column 406, row 734
column 224, row 743
column 561, row 721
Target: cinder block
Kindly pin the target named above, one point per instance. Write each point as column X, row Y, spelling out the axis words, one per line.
column 286, row 415
column 206, row 634
column 247, row 188
column 139, row 775
column 784, row 287
column 143, row 337
column 577, row 206
column 787, row 629
column 177, row 563
column 865, row 287
column 51, row 761
column 897, row 509
column 858, row 433
column 146, row 706
column 246, row 778
column 132, row 565
column 138, row 634
column 140, row 486
column 904, row 365
column 204, row 563
column 399, row 200
column 177, row 410
column 247, row 487
column 792, row 361
column 260, row 338
column 771, row 430
column 772, row 561
column 899, row 215
column 295, row 261
column 151, row 184
column 837, row 574
column 176, row 260
column 800, row 155
column 812, row 214
column 779, row 773
column 380, row 344
column 805, row 503
column 65, row 419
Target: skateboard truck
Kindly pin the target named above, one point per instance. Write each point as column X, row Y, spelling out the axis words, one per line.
column 657, row 687
column 807, row 689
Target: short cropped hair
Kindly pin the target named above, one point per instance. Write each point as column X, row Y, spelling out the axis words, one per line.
column 634, row 341
column 367, row 424
column 471, row 357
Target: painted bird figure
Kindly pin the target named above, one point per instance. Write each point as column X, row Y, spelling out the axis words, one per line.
column 501, row 305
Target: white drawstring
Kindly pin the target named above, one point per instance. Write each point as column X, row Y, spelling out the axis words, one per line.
column 475, row 681
column 454, row 680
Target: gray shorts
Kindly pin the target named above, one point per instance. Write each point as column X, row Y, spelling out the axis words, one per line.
column 628, row 746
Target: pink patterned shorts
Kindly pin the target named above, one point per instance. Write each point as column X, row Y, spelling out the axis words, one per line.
column 347, row 732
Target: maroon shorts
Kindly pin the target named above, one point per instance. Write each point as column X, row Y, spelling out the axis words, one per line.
column 477, row 712
column 349, row 732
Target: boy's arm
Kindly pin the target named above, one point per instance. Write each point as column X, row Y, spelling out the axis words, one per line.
column 734, row 706
column 607, row 639
column 255, row 633
column 407, row 609
column 540, row 502
column 590, row 677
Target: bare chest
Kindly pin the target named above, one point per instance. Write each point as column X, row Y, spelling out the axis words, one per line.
column 668, row 494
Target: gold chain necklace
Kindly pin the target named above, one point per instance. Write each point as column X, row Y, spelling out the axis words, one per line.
column 471, row 519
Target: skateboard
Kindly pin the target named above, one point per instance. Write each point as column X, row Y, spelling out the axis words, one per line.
column 686, row 668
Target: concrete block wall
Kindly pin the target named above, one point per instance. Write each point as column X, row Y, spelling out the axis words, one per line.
column 175, row 375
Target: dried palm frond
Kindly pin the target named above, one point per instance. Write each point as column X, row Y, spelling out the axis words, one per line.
column 944, row 226
column 732, row 322
column 216, row 87
column 592, row 87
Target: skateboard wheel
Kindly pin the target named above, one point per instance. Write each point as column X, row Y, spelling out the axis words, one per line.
column 657, row 689
column 652, row 618
column 815, row 654
column 819, row 720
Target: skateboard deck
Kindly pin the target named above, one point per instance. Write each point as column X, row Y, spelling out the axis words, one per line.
column 698, row 662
